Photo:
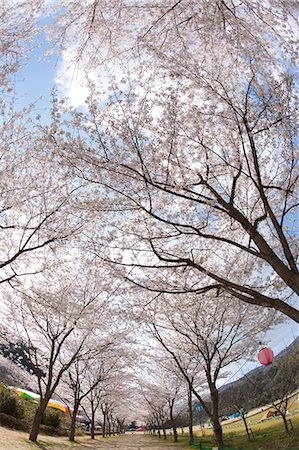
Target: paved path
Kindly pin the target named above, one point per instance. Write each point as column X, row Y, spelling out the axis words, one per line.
column 129, row 442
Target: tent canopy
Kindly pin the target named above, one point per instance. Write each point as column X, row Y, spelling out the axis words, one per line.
column 35, row 397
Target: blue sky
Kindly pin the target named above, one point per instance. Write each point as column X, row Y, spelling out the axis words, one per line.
column 35, row 79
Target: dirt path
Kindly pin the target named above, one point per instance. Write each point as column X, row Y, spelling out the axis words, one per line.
column 18, row 440
column 128, row 442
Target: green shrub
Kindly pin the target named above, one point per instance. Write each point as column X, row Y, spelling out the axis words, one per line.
column 10, row 403
column 52, row 418
column 50, row 431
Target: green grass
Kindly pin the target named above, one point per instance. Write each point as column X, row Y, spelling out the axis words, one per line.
column 267, row 435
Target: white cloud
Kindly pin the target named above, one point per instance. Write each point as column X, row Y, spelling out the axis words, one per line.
column 71, row 79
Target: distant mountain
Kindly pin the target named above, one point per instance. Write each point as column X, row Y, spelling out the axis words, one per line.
column 263, row 370
column 291, row 348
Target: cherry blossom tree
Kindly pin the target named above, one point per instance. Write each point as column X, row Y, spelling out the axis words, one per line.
column 100, row 32
column 115, row 395
column 94, row 400
column 280, row 387
column 213, row 336
column 195, row 144
column 18, row 29
column 103, row 360
column 114, row 383
column 161, row 390
column 38, row 203
column 55, row 318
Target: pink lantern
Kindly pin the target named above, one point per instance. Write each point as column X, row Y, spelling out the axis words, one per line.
column 265, row 356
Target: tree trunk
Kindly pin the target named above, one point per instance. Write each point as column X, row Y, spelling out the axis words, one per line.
column 38, row 420
column 285, row 422
column 246, row 427
column 158, row 427
column 92, row 423
column 73, row 422
column 190, row 410
column 215, row 419
column 104, row 422
column 175, row 433
column 164, row 433
column 217, row 431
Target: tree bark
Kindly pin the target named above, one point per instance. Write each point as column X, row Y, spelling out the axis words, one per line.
column 92, row 423
column 174, row 429
column 37, row 420
column 158, row 427
column 246, row 427
column 164, row 433
column 104, row 422
column 285, row 422
column 73, row 422
column 215, row 416
column 190, row 410
column 175, row 434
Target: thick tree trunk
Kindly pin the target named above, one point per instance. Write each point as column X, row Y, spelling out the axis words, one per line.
column 175, row 434
column 73, row 423
column 217, row 431
column 37, row 420
column 215, row 417
column 190, row 410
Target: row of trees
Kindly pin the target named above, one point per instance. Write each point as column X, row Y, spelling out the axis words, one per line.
column 168, row 406
column 178, row 178
column 197, row 347
column 75, row 344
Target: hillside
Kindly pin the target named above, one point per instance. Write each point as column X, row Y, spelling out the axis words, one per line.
column 262, row 384
column 12, row 374
column 262, row 371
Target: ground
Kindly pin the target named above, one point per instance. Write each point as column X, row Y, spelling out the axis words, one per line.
column 267, row 435
column 17, row 440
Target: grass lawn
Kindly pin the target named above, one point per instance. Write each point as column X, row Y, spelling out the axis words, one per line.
column 267, row 435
